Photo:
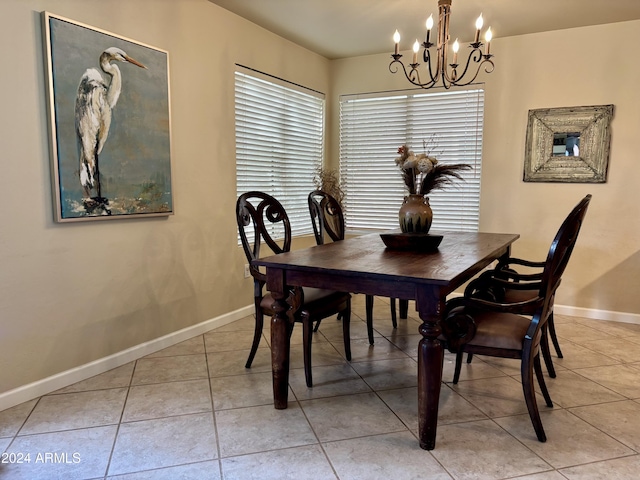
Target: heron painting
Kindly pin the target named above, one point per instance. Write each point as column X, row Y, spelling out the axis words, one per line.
column 95, row 100
column 110, row 124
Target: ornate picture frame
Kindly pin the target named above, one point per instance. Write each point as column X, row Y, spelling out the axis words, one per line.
column 110, row 123
column 568, row 145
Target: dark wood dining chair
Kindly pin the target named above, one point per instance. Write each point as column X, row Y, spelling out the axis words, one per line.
column 327, row 219
column 505, row 285
column 488, row 328
column 259, row 215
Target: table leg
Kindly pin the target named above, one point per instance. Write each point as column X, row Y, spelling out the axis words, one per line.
column 430, row 360
column 505, row 256
column 280, row 349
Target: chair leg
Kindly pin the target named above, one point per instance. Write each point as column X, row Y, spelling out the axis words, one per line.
column 456, row 373
column 306, row 347
column 315, row 329
column 394, row 320
column 369, row 310
column 404, row 308
column 530, row 394
column 338, row 317
column 552, row 334
column 469, row 357
column 546, row 352
column 257, row 334
column 346, row 334
column 542, row 383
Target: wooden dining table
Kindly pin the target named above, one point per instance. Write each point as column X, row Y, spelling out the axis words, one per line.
column 364, row 265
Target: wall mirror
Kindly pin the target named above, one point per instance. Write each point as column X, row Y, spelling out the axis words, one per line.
column 569, row 145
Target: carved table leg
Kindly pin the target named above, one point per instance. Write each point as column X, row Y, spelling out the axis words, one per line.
column 430, row 360
column 280, row 349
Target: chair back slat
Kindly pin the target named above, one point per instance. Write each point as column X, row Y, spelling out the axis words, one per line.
column 326, row 216
column 260, row 212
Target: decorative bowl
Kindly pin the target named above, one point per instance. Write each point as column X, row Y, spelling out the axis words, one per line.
column 411, row 241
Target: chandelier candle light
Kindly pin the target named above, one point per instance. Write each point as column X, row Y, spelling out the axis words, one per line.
column 449, row 77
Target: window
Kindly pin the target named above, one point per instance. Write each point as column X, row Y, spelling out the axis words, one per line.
column 373, row 126
column 279, row 141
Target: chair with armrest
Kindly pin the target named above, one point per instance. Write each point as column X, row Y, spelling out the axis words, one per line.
column 484, row 327
column 256, row 214
column 505, row 285
column 327, row 219
column 516, row 295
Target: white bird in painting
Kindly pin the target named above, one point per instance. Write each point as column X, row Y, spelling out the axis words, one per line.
column 94, row 102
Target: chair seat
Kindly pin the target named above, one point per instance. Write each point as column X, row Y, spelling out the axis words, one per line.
column 500, row 330
column 314, row 298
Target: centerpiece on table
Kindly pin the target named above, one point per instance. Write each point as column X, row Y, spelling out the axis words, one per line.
column 422, row 174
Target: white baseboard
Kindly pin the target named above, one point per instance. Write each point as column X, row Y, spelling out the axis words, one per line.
column 63, row 379
column 591, row 313
column 77, row 374
column 594, row 314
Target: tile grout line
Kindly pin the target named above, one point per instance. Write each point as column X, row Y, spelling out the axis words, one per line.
column 213, row 411
column 124, row 406
column 315, row 434
column 15, row 436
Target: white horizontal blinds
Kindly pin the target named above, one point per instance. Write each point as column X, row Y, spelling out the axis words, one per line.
column 371, row 130
column 373, row 126
column 279, row 142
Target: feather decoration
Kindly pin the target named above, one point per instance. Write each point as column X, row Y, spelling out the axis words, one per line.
column 422, row 173
column 441, row 176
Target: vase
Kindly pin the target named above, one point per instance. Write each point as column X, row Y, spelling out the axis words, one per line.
column 415, row 214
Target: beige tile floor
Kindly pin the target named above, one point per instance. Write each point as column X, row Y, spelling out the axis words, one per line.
column 192, row 411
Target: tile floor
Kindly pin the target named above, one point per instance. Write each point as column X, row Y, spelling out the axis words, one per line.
column 192, row 411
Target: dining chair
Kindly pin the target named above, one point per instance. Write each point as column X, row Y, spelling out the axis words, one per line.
column 487, row 328
column 259, row 216
column 505, row 285
column 327, row 219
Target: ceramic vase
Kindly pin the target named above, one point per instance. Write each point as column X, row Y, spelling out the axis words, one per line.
column 415, row 214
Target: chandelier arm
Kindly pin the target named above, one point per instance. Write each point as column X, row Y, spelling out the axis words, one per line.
column 447, row 81
column 395, row 60
column 459, row 83
column 412, row 75
column 487, row 59
column 419, row 83
column 426, row 56
column 476, row 56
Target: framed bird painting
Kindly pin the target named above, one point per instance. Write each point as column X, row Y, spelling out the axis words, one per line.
column 110, row 128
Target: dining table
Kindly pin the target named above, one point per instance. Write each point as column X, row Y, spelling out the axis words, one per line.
column 363, row 264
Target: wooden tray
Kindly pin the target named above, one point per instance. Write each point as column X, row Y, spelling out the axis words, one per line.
column 411, row 241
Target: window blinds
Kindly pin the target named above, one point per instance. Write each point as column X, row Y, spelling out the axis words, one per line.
column 279, row 141
column 373, row 126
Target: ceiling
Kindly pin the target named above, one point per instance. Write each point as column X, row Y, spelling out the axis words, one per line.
column 348, row 28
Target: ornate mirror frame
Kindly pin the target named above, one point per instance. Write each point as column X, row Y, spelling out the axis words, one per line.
column 589, row 166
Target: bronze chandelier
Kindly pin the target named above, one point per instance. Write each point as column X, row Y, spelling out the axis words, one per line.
column 449, row 76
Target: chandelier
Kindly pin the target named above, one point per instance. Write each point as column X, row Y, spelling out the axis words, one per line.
column 449, row 76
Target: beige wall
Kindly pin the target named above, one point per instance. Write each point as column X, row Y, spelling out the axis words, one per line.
column 585, row 66
column 74, row 293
